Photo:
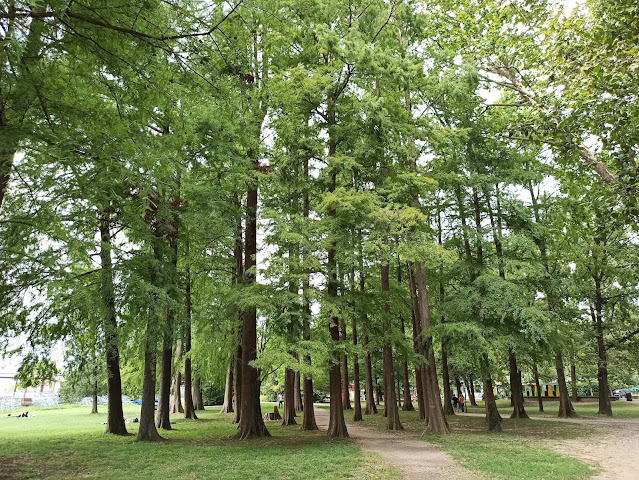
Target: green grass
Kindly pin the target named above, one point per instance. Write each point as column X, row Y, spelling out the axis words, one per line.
column 620, row 409
column 69, row 443
column 515, row 453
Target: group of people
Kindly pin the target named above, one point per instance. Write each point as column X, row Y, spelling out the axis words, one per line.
column 459, row 403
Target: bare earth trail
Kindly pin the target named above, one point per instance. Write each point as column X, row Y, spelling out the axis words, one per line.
column 415, row 459
column 614, row 448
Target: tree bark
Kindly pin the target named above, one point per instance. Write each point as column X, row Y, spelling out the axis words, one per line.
column 435, row 413
column 162, row 420
column 573, row 377
column 237, row 378
column 538, row 386
column 371, row 408
column 419, row 373
column 516, row 389
column 7, row 154
column 227, row 406
column 289, row 397
column 345, row 380
column 189, row 406
column 176, row 387
column 147, row 430
column 198, row 401
column 390, row 400
column 471, row 387
column 566, row 409
column 357, row 411
column 251, row 422
column 299, row 404
column 448, row 394
column 115, row 415
column 493, row 418
column 605, row 407
column 94, row 403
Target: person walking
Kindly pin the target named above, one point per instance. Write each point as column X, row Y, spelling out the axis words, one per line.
column 455, row 402
column 280, row 400
column 461, row 402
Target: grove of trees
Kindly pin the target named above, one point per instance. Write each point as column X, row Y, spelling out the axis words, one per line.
column 402, row 195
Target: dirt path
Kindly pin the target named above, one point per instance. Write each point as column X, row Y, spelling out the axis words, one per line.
column 614, row 448
column 416, row 459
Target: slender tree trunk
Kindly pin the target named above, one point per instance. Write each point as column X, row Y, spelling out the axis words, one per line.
column 573, row 378
column 371, row 408
column 115, row 415
column 308, row 416
column 408, row 402
column 299, row 404
column 357, row 413
column 176, row 387
column 237, row 378
column 493, row 418
column 605, row 407
column 163, row 420
column 390, row 400
column 419, row 373
column 289, row 398
column 435, row 413
column 345, row 380
column 198, row 401
column 566, row 409
column 471, row 387
column 94, row 403
column 458, row 385
column 189, row 406
column 448, row 394
column 227, row 406
column 516, row 389
column 251, row 422
column 147, row 430
column 175, row 405
column 538, row 386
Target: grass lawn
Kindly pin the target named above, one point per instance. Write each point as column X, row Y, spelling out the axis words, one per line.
column 515, row 453
column 620, row 409
column 69, row 443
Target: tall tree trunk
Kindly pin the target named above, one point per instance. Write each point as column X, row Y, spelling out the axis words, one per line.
column 573, row 378
column 566, row 409
column 538, row 386
column 357, row 411
column 147, row 430
column 227, row 406
column 175, row 405
column 94, row 403
column 235, row 368
column 289, row 397
column 299, row 404
column 516, row 389
column 408, row 402
column 336, row 425
column 198, row 401
column 471, row 389
column 345, row 380
column 251, row 422
column 493, row 418
column 308, row 416
column 371, row 408
column 605, row 407
column 390, row 400
column 419, row 371
column 448, row 394
column 162, row 420
column 176, row 387
column 435, row 413
column 115, row 415
column 458, row 385
column 189, row 405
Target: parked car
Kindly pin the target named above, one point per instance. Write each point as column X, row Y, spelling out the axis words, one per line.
column 622, row 393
